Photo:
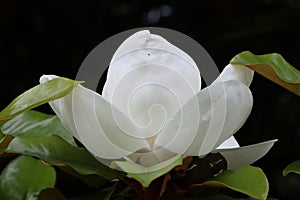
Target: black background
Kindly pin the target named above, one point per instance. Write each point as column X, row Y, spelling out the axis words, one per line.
column 53, row 37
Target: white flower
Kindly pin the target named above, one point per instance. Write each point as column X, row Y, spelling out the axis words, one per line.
column 152, row 107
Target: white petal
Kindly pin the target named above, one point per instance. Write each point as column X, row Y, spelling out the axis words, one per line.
column 240, row 106
column 134, row 51
column 104, row 130
column 209, row 118
column 149, row 79
column 229, row 143
column 238, row 73
column 246, row 155
column 63, row 109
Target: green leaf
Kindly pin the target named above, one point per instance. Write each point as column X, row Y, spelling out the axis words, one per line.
column 55, row 150
column 272, row 66
column 248, row 180
column 293, row 167
column 33, row 123
column 36, row 96
column 24, row 178
column 145, row 175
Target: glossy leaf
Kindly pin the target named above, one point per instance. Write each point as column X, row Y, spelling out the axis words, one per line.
column 55, row 150
column 24, row 178
column 145, row 175
column 33, row 123
column 37, row 96
column 293, row 167
column 272, row 66
column 248, row 180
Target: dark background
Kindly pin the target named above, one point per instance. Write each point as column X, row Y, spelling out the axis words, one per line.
column 53, row 37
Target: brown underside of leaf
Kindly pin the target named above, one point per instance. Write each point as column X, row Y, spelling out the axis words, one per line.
column 269, row 73
column 6, row 140
column 58, row 165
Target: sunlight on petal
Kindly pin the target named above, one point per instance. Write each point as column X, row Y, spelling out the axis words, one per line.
column 238, row 108
column 143, row 43
column 196, row 127
column 102, row 128
column 229, row 143
column 149, row 79
column 238, row 73
column 62, row 108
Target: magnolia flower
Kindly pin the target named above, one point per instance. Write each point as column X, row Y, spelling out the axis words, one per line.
column 152, row 108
